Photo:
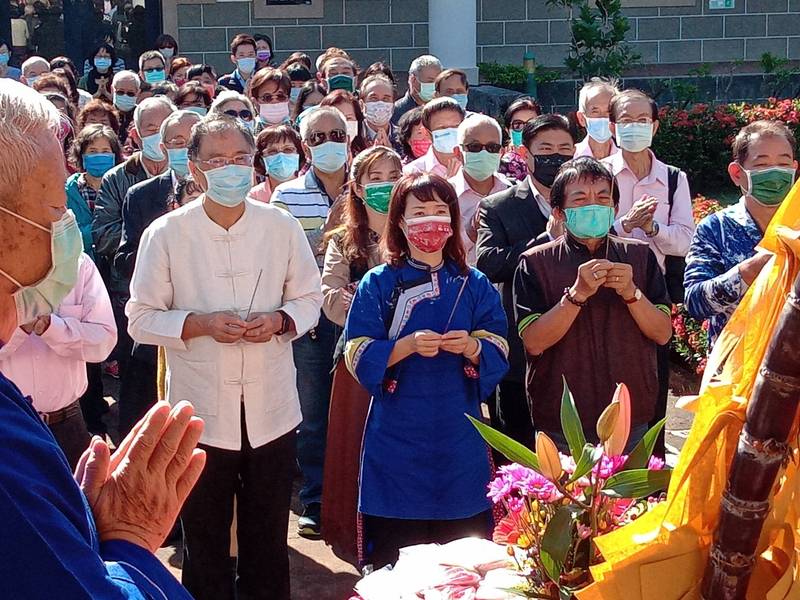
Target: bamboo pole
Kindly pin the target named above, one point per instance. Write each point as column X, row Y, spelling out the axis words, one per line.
column 761, row 453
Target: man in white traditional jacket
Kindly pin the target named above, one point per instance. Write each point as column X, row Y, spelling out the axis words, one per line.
column 225, row 284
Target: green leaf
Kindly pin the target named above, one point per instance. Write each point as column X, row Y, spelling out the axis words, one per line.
column 557, row 541
column 640, row 455
column 636, row 484
column 511, row 449
column 590, row 455
column 571, row 423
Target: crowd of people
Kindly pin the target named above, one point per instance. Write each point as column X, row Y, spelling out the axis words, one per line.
column 333, row 276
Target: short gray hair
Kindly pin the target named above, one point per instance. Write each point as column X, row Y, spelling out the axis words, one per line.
column 318, row 112
column 423, row 62
column 228, row 96
column 26, row 116
column 177, row 117
column 149, row 55
column 215, row 124
column 474, row 120
column 149, row 104
column 34, row 60
column 593, row 85
column 125, row 75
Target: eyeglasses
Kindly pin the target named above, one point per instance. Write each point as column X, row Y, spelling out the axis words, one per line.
column 629, row 121
column 267, row 98
column 153, row 69
column 122, row 93
column 243, row 114
column 492, row 148
column 519, row 124
column 242, row 160
column 318, row 137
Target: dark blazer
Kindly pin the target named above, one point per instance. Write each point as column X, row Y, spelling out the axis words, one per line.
column 509, row 222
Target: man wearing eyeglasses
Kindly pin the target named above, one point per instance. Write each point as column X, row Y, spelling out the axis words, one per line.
column 309, row 198
column 479, row 143
column 225, row 285
column 125, row 89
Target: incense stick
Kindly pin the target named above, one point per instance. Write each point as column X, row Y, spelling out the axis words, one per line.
column 455, row 304
column 255, row 289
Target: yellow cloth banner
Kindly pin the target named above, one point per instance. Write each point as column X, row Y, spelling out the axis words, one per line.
column 663, row 554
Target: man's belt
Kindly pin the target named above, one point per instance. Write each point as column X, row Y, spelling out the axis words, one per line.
column 61, row 415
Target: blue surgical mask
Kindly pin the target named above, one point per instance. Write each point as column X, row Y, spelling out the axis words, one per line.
column 156, row 76
column 426, row 91
column 246, row 65
column 462, row 100
column 124, row 103
column 102, row 63
column 179, row 161
column 229, row 185
column 444, row 140
column 481, row 165
column 282, row 166
column 200, row 110
column 31, row 80
column 634, row 137
column 294, row 94
column 598, row 129
column 4, row 58
column 329, row 157
column 98, row 164
column 593, row 221
column 151, row 147
column 516, row 137
column 44, row 297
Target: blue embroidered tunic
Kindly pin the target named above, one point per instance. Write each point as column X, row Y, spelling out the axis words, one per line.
column 714, row 286
column 421, row 457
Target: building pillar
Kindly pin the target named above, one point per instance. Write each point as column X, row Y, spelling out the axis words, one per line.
column 452, row 34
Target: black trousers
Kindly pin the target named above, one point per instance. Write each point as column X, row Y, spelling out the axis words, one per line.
column 662, row 368
column 513, row 412
column 73, row 437
column 122, row 351
column 385, row 537
column 261, row 480
column 93, row 404
column 138, row 391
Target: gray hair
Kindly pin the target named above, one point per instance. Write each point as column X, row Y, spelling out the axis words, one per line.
column 216, row 124
column 474, row 120
column 149, row 104
column 26, row 116
column 149, row 55
column 315, row 114
column 125, row 75
column 228, row 96
column 34, row 60
column 596, row 84
column 423, row 62
column 177, row 117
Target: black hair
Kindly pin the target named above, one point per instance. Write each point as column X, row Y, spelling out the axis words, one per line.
column 584, row 167
column 298, row 72
column 619, row 98
column 405, row 127
column 109, row 48
column 551, row 122
column 260, row 37
column 198, row 70
column 524, row 103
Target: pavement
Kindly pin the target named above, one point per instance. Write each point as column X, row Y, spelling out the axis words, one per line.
column 317, row 574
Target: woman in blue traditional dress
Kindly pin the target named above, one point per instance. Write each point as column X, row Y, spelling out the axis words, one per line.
column 425, row 337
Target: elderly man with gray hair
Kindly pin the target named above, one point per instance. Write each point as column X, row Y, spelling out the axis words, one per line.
column 594, row 101
column 33, row 68
column 107, row 219
column 225, row 284
column 94, row 534
column 422, row 76
column 143, row 204
column 125, row 88
column 480, row 141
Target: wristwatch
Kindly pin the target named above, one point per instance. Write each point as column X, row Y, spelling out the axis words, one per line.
column 286, row 323
column 637, row 295
column 654, row 231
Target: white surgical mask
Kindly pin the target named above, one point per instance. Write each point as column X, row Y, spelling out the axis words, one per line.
column 634, row 137
column 445, row 140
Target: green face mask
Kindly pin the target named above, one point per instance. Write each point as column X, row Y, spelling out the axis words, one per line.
column 770, row 186
column 591, row 221
column 516, row 137
column 377, row 195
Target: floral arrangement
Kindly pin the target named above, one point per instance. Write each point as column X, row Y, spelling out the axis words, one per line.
column 690, row 336
column 556, row 504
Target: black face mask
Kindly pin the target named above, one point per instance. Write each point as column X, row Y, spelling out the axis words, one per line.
column 546, row 166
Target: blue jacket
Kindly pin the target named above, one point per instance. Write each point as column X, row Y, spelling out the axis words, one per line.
column 83, row 214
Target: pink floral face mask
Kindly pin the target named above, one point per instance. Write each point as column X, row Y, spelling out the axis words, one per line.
column 428, row 234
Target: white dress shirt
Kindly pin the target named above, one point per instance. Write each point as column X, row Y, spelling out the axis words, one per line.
column 189, row 264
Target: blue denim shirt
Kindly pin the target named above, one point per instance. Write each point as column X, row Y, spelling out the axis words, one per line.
column 714, row 286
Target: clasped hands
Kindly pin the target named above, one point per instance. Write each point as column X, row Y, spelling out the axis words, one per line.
column 227, row 327
column 641, row 215
column 599, row 273
column 427, row 343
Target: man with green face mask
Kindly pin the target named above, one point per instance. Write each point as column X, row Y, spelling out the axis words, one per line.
column 590, row 308
column 722, row 260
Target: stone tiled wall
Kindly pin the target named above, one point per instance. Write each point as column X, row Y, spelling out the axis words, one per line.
column 663, row 35
column 394, row 31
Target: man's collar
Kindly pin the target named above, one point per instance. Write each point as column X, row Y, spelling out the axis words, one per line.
column 578, row 246
column 532, row 189
column 658, row 169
